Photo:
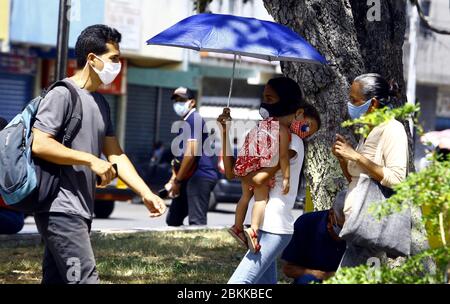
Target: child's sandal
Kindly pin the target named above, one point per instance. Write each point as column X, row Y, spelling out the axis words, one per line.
column 252, row 240
column 238, row 235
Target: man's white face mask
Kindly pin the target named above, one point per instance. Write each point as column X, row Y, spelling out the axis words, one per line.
column 110, row 71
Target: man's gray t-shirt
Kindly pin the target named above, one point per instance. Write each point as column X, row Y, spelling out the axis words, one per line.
column 77, row 183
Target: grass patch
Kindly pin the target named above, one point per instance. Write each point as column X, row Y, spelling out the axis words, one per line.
column 185, row 257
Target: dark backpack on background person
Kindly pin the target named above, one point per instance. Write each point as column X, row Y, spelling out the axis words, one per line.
column 26, row 182
column 3, row 123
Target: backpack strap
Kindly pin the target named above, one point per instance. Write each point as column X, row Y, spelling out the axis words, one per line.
column 72, row 122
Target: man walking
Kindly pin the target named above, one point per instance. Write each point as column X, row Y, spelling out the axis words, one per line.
column 195, row 172
column 65, row 222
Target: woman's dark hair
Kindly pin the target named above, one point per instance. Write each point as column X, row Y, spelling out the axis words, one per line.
column 311, row 112
column 289, row 92
column 93, row 40
column 287, row 89
column 373, row 85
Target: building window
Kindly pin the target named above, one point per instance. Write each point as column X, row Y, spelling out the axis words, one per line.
column 426, row 7
column 426, row 4
column 443, row 110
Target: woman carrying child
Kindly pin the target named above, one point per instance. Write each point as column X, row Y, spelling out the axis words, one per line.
column 286, row 115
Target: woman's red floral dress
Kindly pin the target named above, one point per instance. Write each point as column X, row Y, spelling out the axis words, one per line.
column 260, row 149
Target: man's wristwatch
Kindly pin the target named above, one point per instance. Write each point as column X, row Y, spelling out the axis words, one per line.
column 177, row 181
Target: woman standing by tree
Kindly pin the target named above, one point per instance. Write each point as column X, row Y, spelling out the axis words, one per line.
column 383, row 155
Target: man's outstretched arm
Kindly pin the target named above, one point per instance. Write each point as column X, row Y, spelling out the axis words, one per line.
column 129, row 175
column 47, row 148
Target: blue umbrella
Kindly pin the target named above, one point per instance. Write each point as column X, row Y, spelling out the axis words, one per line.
column 240, row 36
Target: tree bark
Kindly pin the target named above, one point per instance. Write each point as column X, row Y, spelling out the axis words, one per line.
column 341, row 31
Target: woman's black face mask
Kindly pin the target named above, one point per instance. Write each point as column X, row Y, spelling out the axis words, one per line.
column 278, row 109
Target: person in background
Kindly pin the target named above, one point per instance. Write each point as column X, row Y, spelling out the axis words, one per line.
column 158, row 153
column 11, row 222
column 195, row 173
column 315, row 251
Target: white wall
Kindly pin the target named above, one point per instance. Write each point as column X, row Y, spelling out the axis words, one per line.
column 253, row 8
column 433, row 54
column 157, row 16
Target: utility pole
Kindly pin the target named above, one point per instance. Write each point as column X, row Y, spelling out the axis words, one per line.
column 411, row 88
column 63, row 39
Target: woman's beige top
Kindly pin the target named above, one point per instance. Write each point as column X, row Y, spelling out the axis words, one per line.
column 394, row 157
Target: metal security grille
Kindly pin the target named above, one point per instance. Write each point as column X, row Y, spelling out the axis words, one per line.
column 15, row 92
column 140, row 126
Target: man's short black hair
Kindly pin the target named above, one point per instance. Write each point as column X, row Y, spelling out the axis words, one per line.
column 93, row 40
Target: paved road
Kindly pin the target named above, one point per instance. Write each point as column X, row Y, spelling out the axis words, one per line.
column 131, row 217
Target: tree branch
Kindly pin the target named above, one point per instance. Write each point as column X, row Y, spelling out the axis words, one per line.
column 425, row 21
column 201, row 5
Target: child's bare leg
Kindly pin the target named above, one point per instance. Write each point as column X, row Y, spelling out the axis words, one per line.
column 261, row 197
column 242, row 206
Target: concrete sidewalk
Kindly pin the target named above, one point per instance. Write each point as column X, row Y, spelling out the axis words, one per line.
column 130, row 218
column 32, row 238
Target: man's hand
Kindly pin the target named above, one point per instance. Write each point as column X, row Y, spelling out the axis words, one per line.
column 104, row 170
column 154, row 204
column 175, row 190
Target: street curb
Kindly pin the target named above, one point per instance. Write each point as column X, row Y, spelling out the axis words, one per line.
column 34, row 239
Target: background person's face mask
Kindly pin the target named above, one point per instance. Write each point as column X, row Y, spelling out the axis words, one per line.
column 110, row 71
column 356, row 112
column 182, row 108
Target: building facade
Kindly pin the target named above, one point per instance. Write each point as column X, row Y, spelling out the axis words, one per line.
column 432, row 66
column 140, row 97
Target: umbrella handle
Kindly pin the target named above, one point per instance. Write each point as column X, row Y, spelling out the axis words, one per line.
column 232, row 81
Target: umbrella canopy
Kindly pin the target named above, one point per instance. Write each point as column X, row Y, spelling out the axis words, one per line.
column 439, row 139
column 240, row 36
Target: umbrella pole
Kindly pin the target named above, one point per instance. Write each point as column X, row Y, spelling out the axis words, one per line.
column 232, row 81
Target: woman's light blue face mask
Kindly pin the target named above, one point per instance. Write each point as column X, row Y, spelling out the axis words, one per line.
column 356, row 112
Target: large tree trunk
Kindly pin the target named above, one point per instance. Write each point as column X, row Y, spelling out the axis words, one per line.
column 353, row 45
